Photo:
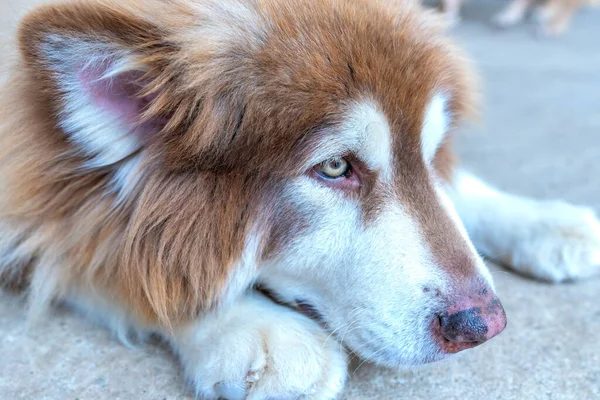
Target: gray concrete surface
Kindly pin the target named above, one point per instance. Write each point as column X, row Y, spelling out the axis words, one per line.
column 539, row 136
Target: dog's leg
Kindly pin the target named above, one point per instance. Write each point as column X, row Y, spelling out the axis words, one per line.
column 451, row 10
column 512, row 14
column 260, row 350
column 549, row 240
column 254, row 349
column 554, row 17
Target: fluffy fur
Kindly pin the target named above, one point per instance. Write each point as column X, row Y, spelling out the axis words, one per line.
column 161, row 160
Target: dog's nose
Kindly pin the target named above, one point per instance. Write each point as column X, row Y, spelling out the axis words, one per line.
column 477, row 321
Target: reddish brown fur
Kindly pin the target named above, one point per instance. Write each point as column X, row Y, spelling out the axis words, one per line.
column 241, row 122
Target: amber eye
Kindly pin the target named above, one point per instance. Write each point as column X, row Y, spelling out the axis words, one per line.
column 333, row 168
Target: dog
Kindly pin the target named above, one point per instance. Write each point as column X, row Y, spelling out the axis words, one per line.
column 553, row 17
column 266, row 184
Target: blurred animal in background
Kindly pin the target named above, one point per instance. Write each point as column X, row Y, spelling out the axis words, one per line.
column 552, row 17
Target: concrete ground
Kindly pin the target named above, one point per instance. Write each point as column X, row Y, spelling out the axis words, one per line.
column 539, row 136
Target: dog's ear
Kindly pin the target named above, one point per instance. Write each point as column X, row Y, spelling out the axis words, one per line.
column 98, row 70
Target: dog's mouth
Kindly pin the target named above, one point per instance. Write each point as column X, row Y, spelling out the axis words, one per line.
column 303, row 306
column 442, row 345
column 308, row 309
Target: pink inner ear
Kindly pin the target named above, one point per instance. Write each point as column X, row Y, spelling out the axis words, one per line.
column 117, row 95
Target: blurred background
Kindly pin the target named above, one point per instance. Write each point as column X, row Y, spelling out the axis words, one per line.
column 539, row 135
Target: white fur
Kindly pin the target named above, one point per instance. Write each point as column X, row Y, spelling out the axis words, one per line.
column 548, row 240
column 435, row 126
column 369, row 130
column 17, row 246
column 100, row 310
column 127, row 177
column 100, row 134
column 366, row 133
column 243, row 274
column 366, row 281
column 13, row 249
column 258, row 350
column 253, row 349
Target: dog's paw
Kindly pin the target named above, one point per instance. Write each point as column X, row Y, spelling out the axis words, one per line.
column 261, row 350
column 561, row 242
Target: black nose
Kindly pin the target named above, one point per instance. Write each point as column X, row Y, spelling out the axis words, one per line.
column 465, row 326
column 471, row 317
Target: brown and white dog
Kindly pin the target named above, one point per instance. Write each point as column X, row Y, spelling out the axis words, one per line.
column 552, row 17
column 160, row 159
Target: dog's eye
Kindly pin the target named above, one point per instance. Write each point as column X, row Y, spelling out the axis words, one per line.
column 333, row 168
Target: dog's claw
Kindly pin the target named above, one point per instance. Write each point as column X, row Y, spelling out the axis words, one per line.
column 253, row 376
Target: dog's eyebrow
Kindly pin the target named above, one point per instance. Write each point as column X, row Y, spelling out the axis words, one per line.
column 362, row 130
column 368, row 127
column 314, row 135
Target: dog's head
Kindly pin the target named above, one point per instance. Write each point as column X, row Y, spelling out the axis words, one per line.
column 295, row 144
